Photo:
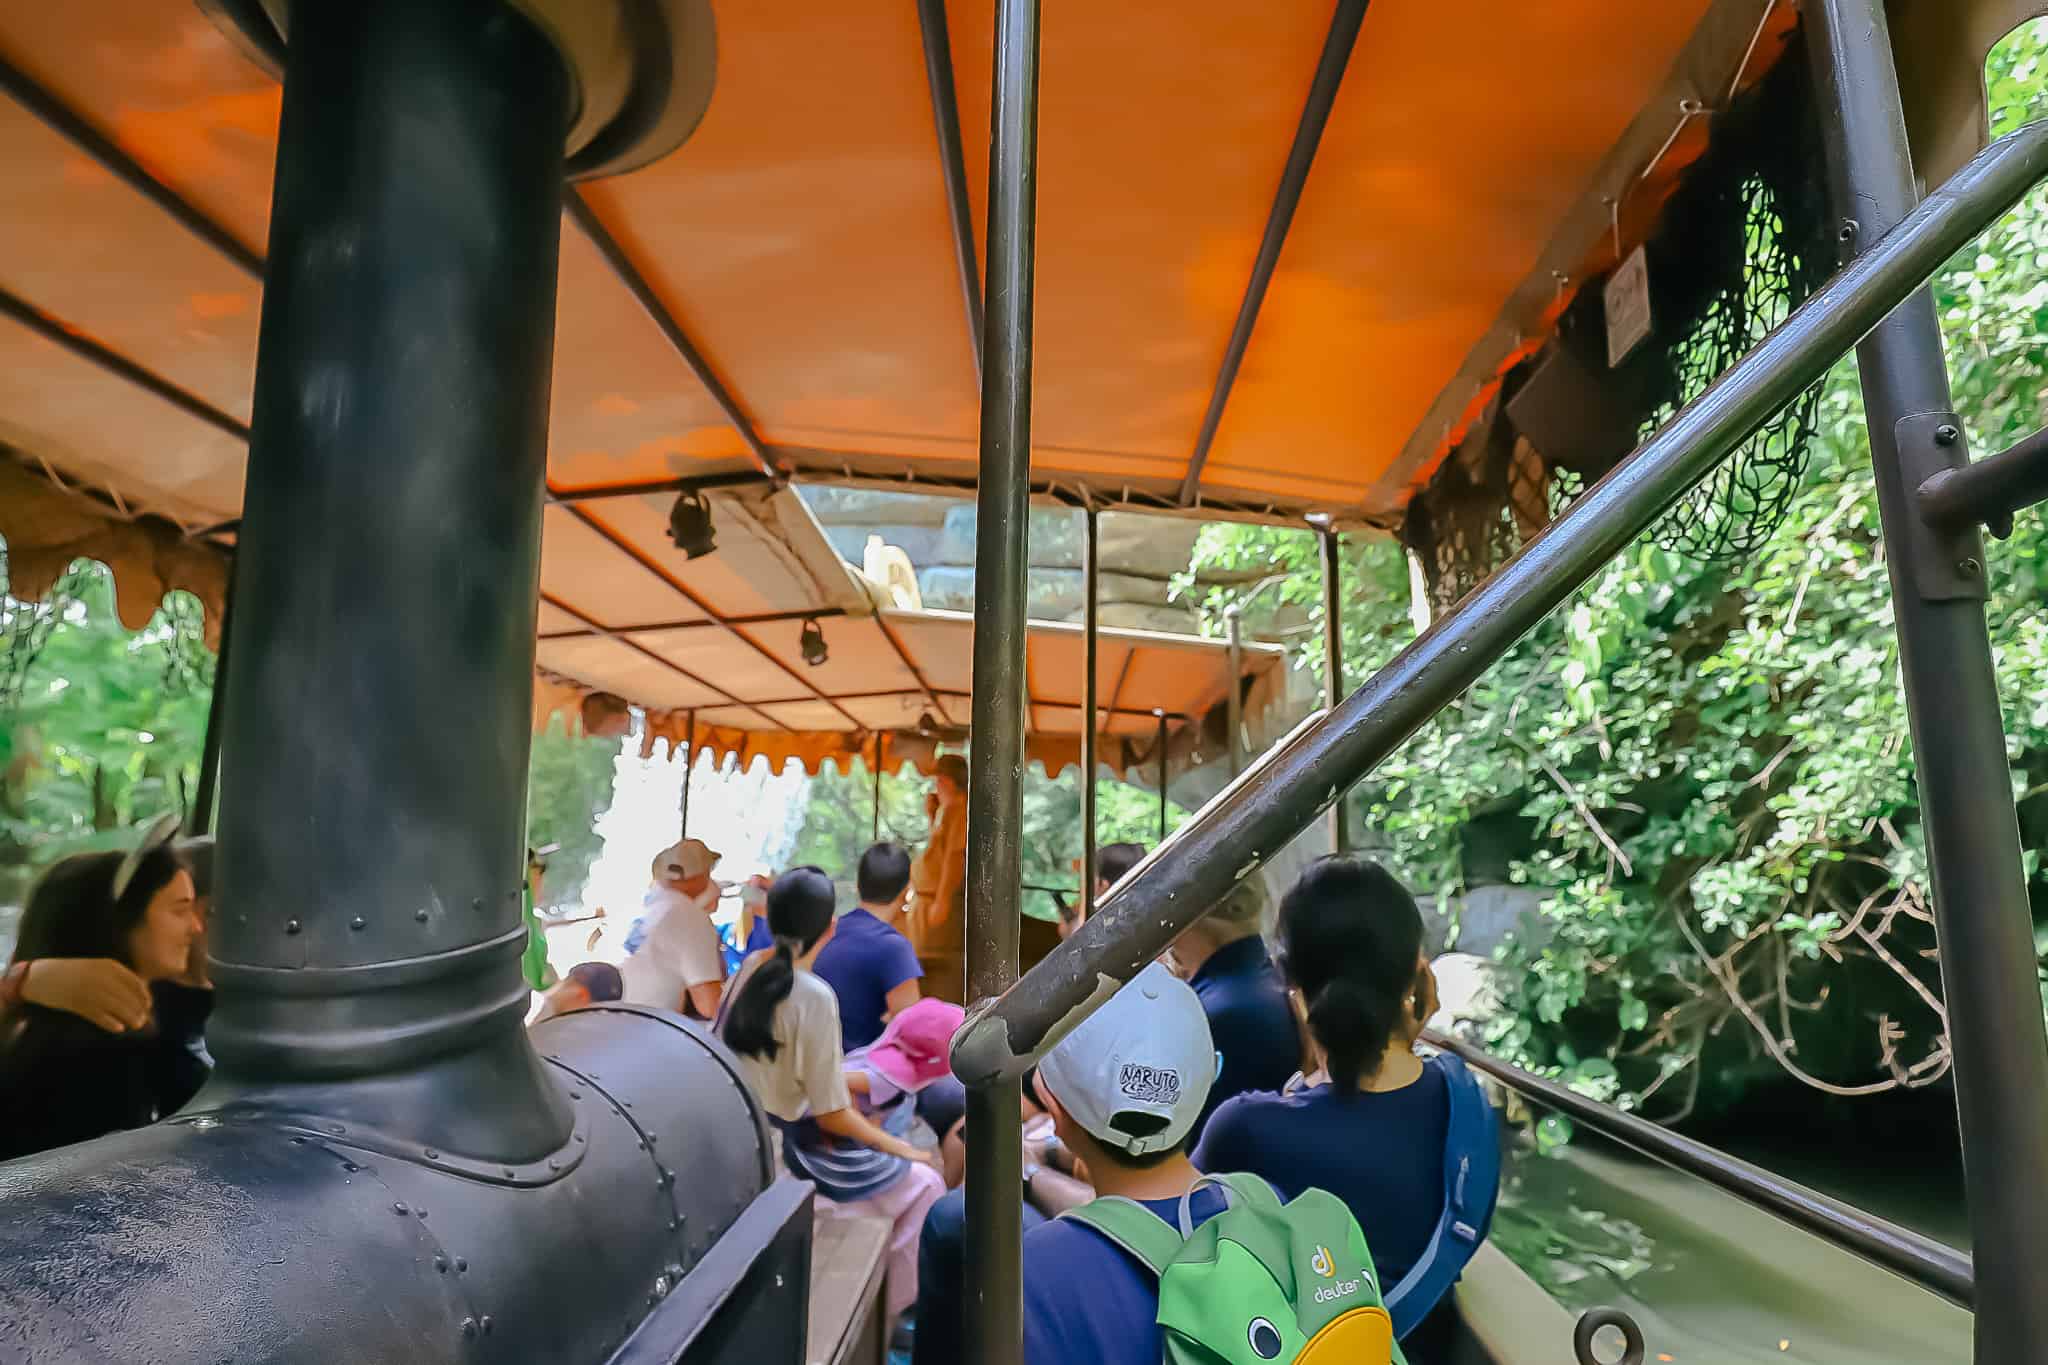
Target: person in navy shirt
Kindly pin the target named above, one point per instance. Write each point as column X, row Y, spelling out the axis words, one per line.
column 1124, row 1090
column 868, row 963
column 1370, row 1124
column 1225, row 960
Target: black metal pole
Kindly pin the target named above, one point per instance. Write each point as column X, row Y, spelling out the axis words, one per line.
column 938, row 74
column 379, row 703
column 1233, row 702
column 1983, row 925
column 994, row 1317
column 1091, row 640
column 1333, row 663
column 1940, row 1269
column 1301, row 156
column 689, row 767
column 1298, row 779
column 199, row 820
column 1160, row 746
column 876, row 835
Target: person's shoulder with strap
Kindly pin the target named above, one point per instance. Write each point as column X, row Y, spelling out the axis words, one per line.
column 1291, row 1280
column 1471, row 1172
column 1087, row 1295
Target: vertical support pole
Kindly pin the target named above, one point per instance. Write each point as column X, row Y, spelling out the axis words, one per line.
column 381, row 686
column 199, row 820
column 1233, row 711
column 1091, row 628
column 1982, row 921
column 995, row 792
column 875, row 837
column 689, row 767
column 1159, row 745
column 1333, row 664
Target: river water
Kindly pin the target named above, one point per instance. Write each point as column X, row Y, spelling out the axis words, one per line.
column 1712, row 1281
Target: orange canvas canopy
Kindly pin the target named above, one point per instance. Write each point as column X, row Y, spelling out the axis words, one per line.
column 800, row 242
column 784, row 293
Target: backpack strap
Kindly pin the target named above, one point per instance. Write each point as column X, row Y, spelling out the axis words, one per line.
column 1471, row 1182
column 1238, row 1187
column 1132, row 1227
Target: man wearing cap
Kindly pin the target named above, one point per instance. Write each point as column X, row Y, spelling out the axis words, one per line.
column 679, row 965
column 1124, row 1090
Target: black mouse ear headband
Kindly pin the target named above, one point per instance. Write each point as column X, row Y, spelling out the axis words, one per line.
column 154, row 836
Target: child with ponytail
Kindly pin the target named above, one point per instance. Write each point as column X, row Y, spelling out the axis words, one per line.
column 1372, row 1122
column 783, row 1023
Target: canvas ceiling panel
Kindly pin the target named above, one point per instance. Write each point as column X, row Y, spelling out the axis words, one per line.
column 553, row 620
column 163, row 83
column 801, row 233
column 1058, row 664
column 86, row 249
column 1454, row 149
column 750, row 573
column 1163, row 129
column 1133, row 723
column 858, row 656
column 726, row 661
column 599, row 579
column 888, row 713
column 626, row 408
column 807, row 715
column 1178, row 681
column 943, row 646
column 95, row 428
column 613, row 667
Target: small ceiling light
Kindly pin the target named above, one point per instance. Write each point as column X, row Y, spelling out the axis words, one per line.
column 812, row 643
column 689, row 524
column 925, row 724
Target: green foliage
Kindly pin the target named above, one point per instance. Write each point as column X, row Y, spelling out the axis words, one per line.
column 109, row 723
column 839, row 815
column 568, row 784
column 1707, row 767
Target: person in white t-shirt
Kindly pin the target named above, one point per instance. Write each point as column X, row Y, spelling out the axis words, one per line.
column 782, row 1023
column 679, row 965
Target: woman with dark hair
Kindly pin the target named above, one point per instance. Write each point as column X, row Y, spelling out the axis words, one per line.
column 783, row 1022
column 1374, row 1124
column 65, row 1078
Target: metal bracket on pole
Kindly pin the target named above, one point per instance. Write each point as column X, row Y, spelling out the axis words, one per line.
column 1946, row 562
column 1987, row 491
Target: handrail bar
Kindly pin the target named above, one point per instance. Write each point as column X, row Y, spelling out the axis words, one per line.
column 1277, row 797
column 1934, row 1266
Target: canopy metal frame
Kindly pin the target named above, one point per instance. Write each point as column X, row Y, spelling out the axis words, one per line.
column 1982, row 919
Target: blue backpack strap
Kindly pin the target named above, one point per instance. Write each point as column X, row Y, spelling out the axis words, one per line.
column 1471, row 1183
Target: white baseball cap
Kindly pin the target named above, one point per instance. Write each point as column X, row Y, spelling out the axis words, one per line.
column 1145, row 1056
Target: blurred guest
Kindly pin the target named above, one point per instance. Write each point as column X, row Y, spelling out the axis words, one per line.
column 678, row 965
column 587, row 984
column 65, row 1078
column 939, row 884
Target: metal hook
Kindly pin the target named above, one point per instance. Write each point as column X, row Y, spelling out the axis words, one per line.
column 1589, row 1326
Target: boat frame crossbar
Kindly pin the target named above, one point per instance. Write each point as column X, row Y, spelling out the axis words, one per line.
column 2001, row 1055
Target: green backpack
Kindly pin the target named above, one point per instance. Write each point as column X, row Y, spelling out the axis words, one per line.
column 1261, row 1281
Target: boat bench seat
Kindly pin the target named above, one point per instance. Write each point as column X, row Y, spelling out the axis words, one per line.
column 849, row 1319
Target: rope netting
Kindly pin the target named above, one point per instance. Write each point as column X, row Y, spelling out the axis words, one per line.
column 1745, row 239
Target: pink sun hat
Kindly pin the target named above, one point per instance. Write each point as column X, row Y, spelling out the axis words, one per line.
column 913, row 1050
